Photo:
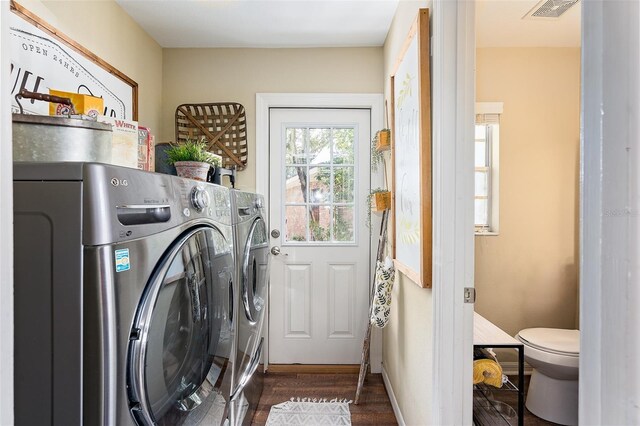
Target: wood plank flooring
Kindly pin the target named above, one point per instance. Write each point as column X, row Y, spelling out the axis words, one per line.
column 374, row 407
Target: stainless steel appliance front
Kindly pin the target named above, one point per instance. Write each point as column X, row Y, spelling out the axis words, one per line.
column 140, row 292
column 252, row 276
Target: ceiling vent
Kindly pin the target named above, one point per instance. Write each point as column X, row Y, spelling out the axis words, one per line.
column 549, row 9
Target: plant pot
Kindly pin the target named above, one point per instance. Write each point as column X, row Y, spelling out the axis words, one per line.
column 380, row 201
column 192, row 170
column 383, row 138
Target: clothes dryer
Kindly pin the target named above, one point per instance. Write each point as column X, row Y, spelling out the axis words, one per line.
column 123, row 297
column 252, row 277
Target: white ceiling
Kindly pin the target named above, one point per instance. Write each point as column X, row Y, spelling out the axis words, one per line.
column 263, row 23
column 499, row 23
column 331, row 23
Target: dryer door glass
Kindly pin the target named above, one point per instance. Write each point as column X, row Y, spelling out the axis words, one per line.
column 254, row 280
column 181, row 339
column 255, row 272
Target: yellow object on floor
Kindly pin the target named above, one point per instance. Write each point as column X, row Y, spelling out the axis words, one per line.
column 487, row 371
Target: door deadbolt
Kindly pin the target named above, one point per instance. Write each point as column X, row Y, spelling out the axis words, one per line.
column 275, row 233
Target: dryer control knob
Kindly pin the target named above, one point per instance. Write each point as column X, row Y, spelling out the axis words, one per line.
column 258, row 203
column 199, row 198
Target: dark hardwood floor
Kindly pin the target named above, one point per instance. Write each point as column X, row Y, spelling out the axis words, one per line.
column 374, row 407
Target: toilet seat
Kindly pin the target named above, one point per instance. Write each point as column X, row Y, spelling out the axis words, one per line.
column 552, row 340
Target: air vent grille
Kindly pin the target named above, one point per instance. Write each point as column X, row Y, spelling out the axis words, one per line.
column 550, row 9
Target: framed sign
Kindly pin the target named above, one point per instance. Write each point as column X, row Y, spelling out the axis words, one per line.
column 43, row 58
column 411, row 155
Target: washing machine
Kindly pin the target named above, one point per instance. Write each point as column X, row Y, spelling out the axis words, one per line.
column 252, row 277
column 124, row 295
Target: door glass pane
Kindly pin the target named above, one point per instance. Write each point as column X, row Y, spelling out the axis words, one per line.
column 343, row 146
column 481, row 211
column 320, row 187
column 343, row 184
column 320, row 146
column 295, row 152
column 482, row 183
column 320, row 223
column 296, row 223
column 343, row 219
column 326, row 175
column 296, row 184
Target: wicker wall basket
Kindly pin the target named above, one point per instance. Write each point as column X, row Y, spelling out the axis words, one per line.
column 222, row 124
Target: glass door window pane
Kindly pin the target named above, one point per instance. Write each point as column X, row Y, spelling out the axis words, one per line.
column 343, row 224
column 320, row 197
column 296, row 223
column 295, row 152
column 320, row 146
column 320, row 223
column 343, row 147
column 344, row 184
column 320, row 189
column 296, row 184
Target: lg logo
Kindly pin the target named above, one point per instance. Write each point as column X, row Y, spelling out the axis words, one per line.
column 119, row 182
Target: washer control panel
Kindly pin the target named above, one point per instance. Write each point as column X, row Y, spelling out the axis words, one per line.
column 200, row 198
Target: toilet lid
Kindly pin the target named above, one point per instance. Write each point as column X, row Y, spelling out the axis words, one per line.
column 553, row 339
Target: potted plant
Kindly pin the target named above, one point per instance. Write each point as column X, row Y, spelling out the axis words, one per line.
column 378, row 200
column 191, row 159
column 383, row 140
column 377, row 157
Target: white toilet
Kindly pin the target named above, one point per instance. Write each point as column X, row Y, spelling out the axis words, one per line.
column 553, row 390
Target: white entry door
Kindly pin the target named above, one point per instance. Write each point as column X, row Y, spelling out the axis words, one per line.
column 319, row 181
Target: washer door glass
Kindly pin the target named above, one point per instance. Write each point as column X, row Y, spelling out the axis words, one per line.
column 180, row 342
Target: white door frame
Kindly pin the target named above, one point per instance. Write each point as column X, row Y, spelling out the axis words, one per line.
column 6, row 225
column 265, row 101
column 610, row 214
column 453, row 50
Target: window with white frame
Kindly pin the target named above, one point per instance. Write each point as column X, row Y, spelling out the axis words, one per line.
column 487, row 137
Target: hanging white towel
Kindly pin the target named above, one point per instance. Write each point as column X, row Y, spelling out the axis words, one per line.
column 385, row 276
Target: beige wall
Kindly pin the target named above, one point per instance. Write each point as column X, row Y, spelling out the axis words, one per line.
column 106, row 30
column 407, row 339
column 527, row 276
column 236, row 75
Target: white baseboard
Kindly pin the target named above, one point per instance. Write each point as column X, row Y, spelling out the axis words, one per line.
column 392, row 397
column 511, row 368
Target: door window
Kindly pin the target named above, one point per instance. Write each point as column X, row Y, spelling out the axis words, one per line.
column 320, row 189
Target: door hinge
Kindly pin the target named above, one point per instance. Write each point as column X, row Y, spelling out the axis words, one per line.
column 469, row 295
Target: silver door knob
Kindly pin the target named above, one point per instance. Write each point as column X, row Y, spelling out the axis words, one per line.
column 275, row 250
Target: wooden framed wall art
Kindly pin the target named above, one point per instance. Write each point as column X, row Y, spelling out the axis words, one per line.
column 411, row 155
column 43, row 58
